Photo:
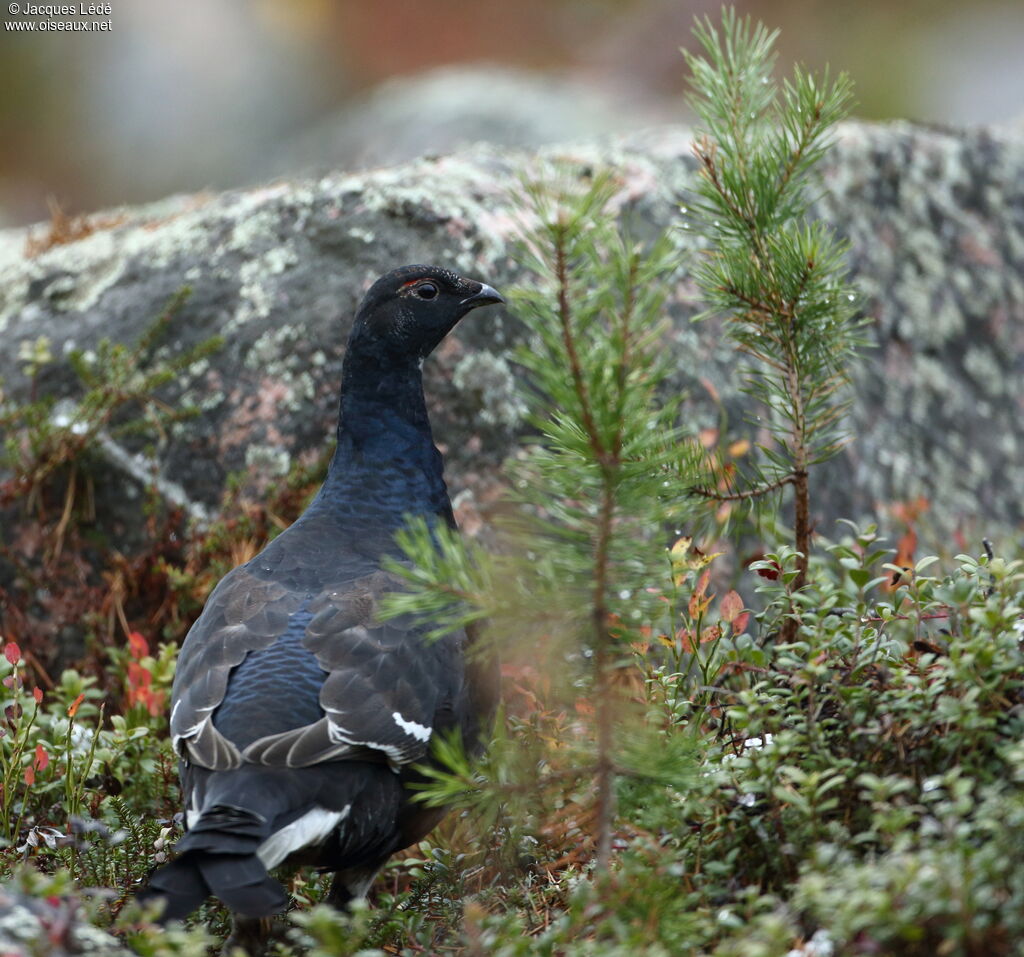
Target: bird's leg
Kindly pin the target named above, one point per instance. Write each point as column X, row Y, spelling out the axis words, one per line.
column 250, row 933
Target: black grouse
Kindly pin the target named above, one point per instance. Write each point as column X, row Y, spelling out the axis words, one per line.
column 296, row 713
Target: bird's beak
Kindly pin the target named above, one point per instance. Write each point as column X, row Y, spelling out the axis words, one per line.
column 486, row 296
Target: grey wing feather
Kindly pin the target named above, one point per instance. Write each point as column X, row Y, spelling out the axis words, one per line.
column 383, row 688
column 383, row 684
column 243, row 614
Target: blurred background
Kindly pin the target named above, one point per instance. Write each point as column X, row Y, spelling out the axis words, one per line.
column 208, row 94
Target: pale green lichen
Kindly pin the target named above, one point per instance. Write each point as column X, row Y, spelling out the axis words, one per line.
column 489, row 378
column 255, row 291
column 272, row 461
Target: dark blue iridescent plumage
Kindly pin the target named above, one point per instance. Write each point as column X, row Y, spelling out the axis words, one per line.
column 296, row 712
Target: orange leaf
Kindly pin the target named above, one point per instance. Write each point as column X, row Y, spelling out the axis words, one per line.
column 710, row 633
column 905, row 549
column 73, row 707
column 698, row 605
column 739, row 448
column 910, row 512
column 30, row 776
column 730, row 607
column 698, row 602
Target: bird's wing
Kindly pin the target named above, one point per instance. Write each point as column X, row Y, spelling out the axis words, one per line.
column 243, row 614
column 386, row 684
column 378, row 686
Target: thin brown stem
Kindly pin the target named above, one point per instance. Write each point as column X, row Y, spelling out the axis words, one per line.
column 755, row 492
column 806, row 138
column 794, row 386
column 603, row 662
column 622, row 372
column 65, row 518
column 608, row 461
column 575, row 368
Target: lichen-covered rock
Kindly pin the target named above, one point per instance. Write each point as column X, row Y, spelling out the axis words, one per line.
column 935, row 219
column 32, row 926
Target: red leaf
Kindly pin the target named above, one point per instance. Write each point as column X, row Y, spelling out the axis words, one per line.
column 42, row 760
column 138, row 677
column 155, row 702
column 138, row 645
column 30, row 776
column 771, row 573
column 12, row 652
column 730, row 607
column 740, row 624
column 37, row 693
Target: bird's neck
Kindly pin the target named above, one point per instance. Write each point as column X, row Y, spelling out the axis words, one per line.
column 373, row 392
column 386, row 464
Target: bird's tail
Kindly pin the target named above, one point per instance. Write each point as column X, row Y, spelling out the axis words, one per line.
column 218, row 856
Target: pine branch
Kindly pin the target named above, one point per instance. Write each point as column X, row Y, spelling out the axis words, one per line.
column 755, row 491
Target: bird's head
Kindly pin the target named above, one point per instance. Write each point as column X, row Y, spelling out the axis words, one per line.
column 408, row 311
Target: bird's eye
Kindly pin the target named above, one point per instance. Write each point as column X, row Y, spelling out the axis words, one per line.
column 426, row 290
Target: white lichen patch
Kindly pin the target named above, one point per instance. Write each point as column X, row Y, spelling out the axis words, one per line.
column 302, row 392
column 19, row 925
column 363, row 235
column 985, row 370
column 270, row 460
column 491, row 377
column 256, row 292
column 274, row 351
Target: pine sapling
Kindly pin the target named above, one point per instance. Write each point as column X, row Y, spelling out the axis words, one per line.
column 777, row 275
